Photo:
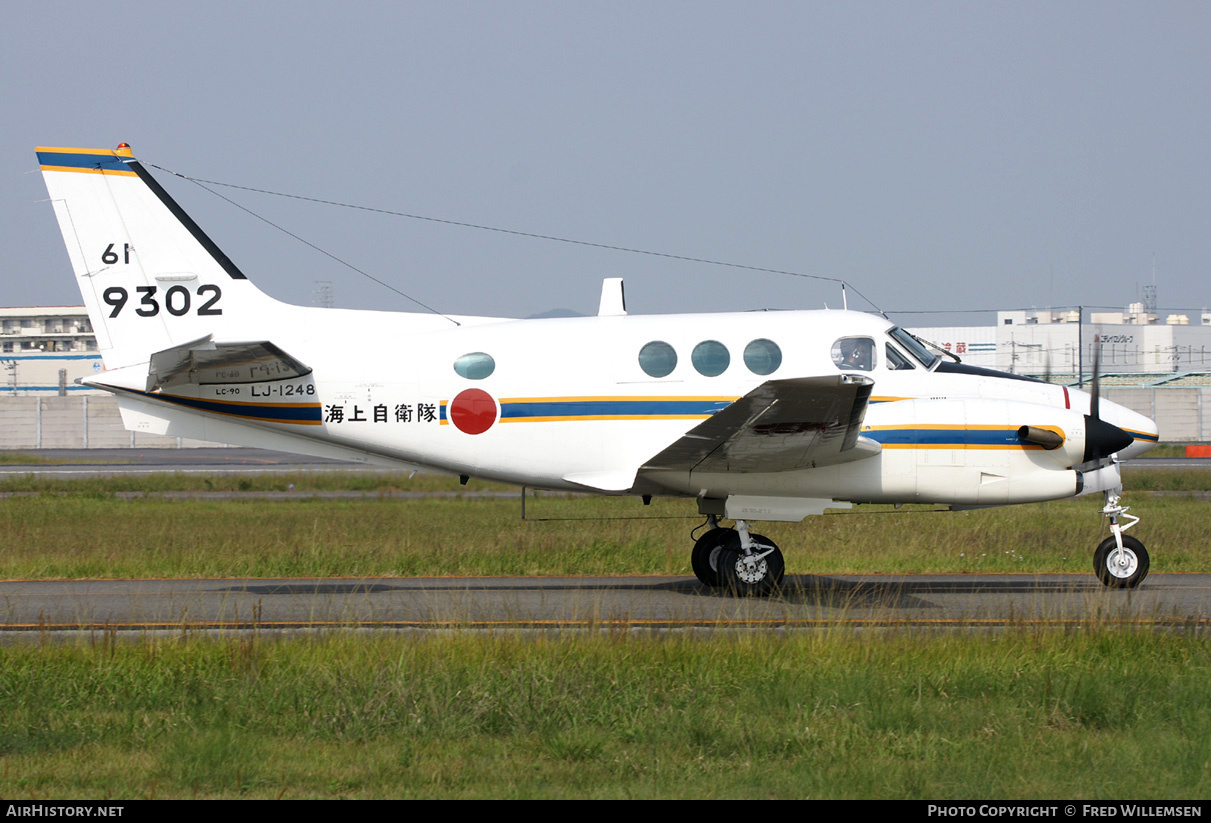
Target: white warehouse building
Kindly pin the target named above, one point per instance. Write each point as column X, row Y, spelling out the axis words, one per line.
column 1134, row 346
column 44, row 349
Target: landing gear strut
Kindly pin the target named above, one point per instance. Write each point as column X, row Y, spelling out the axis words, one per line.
column 1120, row 562
column 737, row 560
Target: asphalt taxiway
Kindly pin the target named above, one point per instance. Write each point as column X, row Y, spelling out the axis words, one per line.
column 659, row 602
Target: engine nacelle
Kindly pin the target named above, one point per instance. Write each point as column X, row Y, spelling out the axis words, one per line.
column 979, row 451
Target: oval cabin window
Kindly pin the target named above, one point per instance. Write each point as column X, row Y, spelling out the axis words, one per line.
column 475, row 366
column 711, row 358
column 762, row 356
column 657, row 359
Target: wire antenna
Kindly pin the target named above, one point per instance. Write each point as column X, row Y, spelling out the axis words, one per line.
column 202, row 182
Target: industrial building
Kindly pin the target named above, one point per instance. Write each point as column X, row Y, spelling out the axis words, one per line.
column 1135, row 347
column 44, row 349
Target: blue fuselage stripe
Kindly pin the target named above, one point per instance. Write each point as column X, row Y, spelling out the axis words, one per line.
column 610, row 408
column 285, row 414
column 946, row 437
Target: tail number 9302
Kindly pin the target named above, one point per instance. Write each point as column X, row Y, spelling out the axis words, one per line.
column 177, row 300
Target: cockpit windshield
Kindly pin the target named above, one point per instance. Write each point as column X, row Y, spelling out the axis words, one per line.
column 914, row 346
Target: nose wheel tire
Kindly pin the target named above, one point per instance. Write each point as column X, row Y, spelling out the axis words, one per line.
column 1121, row 569
column 705, row 557
column 745, row 576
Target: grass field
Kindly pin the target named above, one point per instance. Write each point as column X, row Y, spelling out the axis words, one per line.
column 1040, row 712
column 56, row 529
column 1037, row 714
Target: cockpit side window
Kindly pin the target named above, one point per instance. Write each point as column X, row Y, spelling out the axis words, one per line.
column 895, row 360
column 914, row 346
column 854, row 354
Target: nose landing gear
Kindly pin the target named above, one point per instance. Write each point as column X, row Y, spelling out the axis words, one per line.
column 1120, row 562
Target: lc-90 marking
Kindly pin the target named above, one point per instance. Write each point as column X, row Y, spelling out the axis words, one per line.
column 177, row 300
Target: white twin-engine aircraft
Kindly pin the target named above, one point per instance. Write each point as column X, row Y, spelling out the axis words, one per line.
column 755, row 415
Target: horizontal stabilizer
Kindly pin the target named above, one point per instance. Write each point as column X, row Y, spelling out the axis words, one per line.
column 204, row 361
column 781, row 425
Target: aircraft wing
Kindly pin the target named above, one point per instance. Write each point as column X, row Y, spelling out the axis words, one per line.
column 205, row 361
column 781, row 425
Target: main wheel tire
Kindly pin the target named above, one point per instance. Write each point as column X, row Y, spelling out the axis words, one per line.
column 1121, row 570
column 738, row 578
column 705, row 557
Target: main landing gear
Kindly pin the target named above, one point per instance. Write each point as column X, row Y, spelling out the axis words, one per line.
column 1120, row 562
column 737, row 560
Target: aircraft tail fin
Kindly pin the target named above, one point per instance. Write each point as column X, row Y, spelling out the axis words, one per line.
column 150, row 277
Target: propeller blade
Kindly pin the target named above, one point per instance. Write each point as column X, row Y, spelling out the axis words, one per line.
column 1102, row 439
column 1096, row 387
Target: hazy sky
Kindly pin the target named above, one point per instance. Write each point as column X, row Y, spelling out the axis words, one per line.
column 938, row 155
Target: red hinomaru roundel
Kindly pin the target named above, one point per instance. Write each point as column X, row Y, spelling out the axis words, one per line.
column 473, row 411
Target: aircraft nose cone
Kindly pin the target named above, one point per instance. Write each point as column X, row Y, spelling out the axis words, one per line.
column 1103, row 439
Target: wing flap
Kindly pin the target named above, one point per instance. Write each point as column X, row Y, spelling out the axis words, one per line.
column 781, row 425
